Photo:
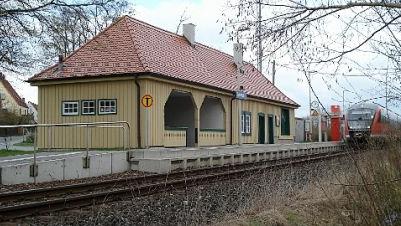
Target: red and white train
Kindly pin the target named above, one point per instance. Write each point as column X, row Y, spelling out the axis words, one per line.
column 367, row 120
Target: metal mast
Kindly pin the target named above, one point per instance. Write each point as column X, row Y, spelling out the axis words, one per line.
column 259, row 36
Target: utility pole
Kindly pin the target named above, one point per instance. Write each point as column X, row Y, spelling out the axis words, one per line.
column 310, row 105
column 343, row 118
column 320, row 125
column 240, row 94
column 387, row 95
column 259, row 36
column 274, row 72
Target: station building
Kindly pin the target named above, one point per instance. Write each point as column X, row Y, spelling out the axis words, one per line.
column 173, row 91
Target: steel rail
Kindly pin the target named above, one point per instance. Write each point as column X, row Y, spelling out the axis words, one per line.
column 159, row 183
column 100, row 185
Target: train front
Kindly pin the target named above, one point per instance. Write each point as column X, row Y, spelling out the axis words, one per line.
column 359, row 122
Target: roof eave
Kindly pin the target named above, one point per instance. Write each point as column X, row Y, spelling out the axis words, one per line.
column 137, row 74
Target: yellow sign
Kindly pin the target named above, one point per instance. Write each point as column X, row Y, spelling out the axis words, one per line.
column 147, row 101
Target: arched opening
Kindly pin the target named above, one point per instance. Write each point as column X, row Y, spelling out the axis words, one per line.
column 212, row 122
column 179, row 114
column 212, row 114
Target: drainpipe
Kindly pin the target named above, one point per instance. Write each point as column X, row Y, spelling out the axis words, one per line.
column 138, row 111
column 231, row 121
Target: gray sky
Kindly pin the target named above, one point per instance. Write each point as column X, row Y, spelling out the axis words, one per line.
column 205, row 15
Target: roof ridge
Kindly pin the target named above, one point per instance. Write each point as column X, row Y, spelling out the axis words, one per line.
column 275, row 86
column 166, row 32
column 135, row 46
column 154, row 27
column 94, row 38
column 177, row 35
column 81, row 47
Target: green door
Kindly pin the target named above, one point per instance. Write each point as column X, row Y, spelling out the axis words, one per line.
column 261, row 129
column 270, row 125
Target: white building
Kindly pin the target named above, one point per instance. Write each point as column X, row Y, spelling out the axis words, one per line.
column 33, row 110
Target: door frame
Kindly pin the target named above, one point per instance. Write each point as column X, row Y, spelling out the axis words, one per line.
column 260, row 114
column 272, row 124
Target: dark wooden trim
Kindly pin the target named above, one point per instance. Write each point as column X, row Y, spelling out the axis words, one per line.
column 62, row 107
column 82, row 105
column 107, row 113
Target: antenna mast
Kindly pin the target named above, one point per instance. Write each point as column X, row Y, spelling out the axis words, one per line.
column 259, row 36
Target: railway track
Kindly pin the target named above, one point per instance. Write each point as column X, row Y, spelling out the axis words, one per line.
column 44, row 200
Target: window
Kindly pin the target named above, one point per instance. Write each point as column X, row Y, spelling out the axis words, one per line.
column 88, row 107
column 107, row 107
column 285, row 121
column 70, row 108
column 246, row 119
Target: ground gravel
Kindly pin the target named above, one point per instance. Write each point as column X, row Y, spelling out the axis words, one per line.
column 18, row 187
column 201, row 205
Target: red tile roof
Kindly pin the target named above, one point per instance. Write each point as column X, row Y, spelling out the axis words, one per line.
column 11, row 91
column 131, row 46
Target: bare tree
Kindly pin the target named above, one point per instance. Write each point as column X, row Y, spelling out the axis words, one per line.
column 329, row 36
column 72, row 28
column 183, row 18
column 34, row 31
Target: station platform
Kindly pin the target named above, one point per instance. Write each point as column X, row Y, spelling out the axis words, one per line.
column 164, row 160
column 54, row 166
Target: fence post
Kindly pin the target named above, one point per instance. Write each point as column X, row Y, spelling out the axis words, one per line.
column 86, row 161
column 128, row 135
column 49, row 134
column 34, row 167
column 124, row 134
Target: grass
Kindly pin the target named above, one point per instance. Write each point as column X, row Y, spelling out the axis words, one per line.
column 255, row 222
column 294, row 219
column 5, row 153
column 24, row 144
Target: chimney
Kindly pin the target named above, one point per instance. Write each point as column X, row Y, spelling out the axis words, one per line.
column 188, row 31
column 238, row 54
column 60, row 62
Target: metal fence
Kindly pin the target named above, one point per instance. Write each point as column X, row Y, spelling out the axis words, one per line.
column 123, row 125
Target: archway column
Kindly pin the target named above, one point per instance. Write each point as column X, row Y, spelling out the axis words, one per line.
column 197, row 126
column 198, row 98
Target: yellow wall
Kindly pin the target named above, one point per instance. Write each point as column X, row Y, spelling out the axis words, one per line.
column 51, row 96
column 50, row 111
column 255, row 107
column 160, row 89
column 10, row 104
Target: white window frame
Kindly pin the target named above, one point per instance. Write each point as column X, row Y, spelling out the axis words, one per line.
column 101, row 105
column 64, row 108
column 242, row 123
column 246, row 122
column 83, row 107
